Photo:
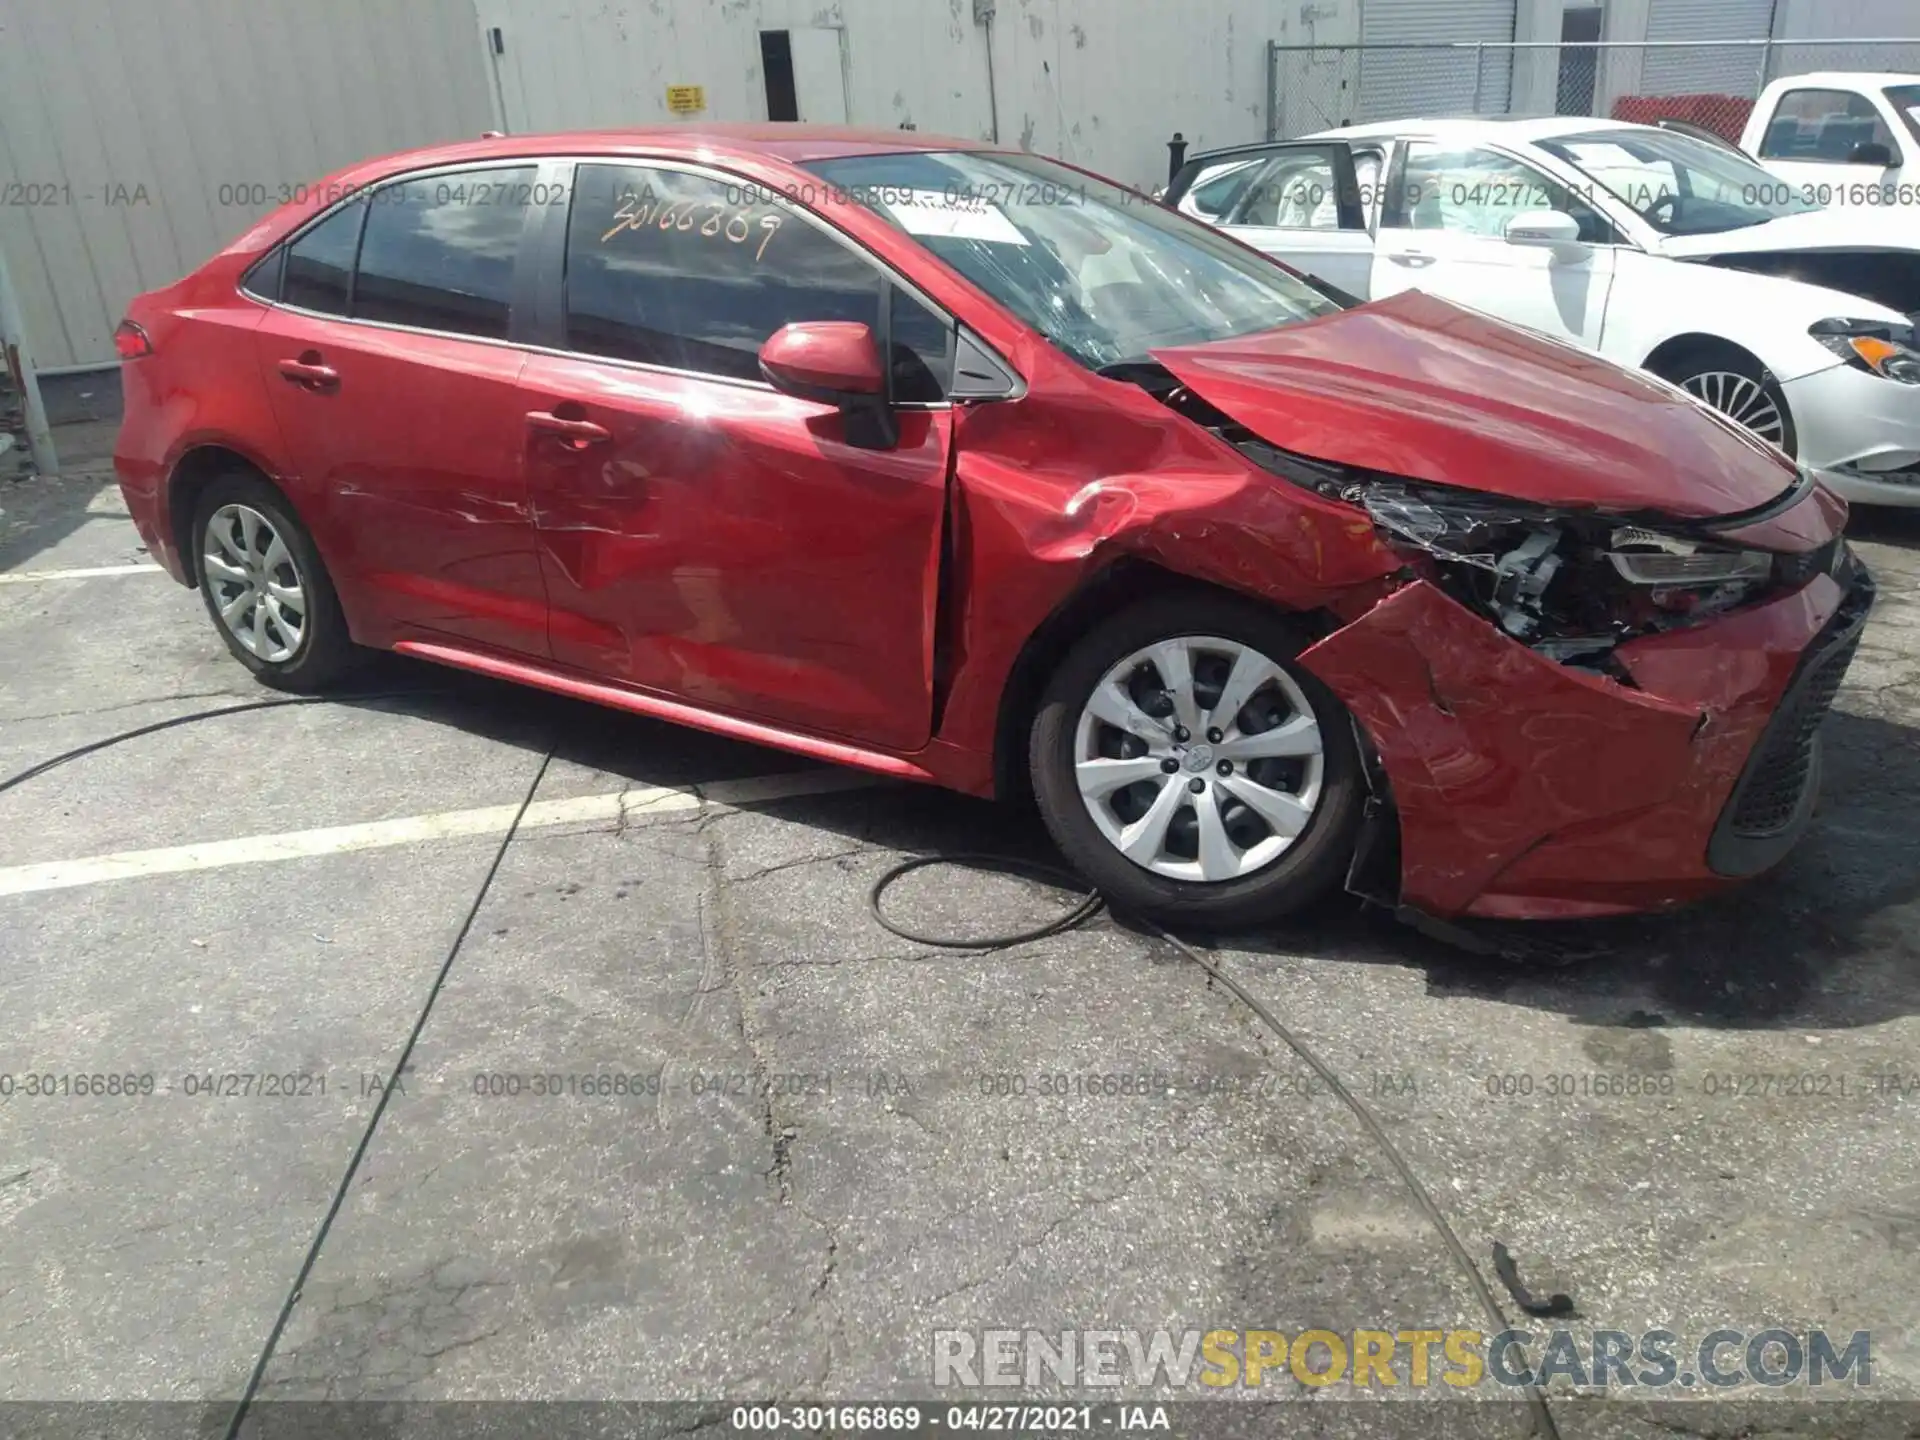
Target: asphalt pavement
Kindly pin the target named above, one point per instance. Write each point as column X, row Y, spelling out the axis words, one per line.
column 682, row 1122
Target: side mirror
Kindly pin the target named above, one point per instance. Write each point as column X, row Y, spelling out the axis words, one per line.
column 830, row 360
column 1871, row 152
column 835, row 362
column 1551, row 228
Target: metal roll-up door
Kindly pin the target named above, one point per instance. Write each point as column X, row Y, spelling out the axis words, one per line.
column 1699, row 68
column 1395, row 84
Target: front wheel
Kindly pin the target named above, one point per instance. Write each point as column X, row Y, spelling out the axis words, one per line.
column 1188, row 767
column 1739, row 387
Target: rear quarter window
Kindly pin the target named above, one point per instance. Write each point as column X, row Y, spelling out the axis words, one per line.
column 318, row 272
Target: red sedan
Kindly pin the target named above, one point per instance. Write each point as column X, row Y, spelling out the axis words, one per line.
column 965, row 466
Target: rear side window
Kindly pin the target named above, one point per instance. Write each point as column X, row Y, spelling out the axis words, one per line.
column 1297, row 191
column 1218, row 187
column 692, row 273
column 319, row 268
column 439, row 251
column 1823, row 125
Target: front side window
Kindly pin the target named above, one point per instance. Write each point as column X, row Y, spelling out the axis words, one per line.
column 923, row 343
column 1476, row 192
column 694, row 273
column 1823, row 125
column 318, row 274
column 1103, row 273
column 1677, row 184
column 439, row 251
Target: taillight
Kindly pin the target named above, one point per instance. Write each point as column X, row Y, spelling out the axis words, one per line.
column 130, row 341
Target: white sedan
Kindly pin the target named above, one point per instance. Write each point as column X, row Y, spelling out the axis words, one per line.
column 1656, row 249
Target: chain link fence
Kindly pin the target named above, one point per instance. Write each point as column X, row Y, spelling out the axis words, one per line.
column 1711, row 83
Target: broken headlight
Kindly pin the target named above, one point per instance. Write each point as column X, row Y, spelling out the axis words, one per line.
column 1569, row 583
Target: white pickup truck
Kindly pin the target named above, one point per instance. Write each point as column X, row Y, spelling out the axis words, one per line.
column 1841, row 138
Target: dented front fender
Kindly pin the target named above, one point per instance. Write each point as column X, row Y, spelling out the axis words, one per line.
column 1488, row 746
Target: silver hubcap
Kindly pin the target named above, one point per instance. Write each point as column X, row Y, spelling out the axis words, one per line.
column 255, row 585
column 1741, row 399
column 1199, row 759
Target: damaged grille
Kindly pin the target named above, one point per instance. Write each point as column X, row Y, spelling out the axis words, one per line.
column 1772, row 800
column 1782, row 767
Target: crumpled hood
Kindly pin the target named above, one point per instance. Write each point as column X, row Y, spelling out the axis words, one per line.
column 1417, row 386
column 1848, row 229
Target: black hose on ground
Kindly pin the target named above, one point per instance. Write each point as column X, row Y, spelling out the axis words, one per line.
column 1541, row 1422
column 188, row 719
column 1090, row 905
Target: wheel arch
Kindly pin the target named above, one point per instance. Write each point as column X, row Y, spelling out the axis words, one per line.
column 1125, row 582
column 1672, row 358
column 1675, row 348
column 198, row 467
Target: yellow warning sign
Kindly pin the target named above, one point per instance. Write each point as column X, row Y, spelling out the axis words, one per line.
column 686, row 99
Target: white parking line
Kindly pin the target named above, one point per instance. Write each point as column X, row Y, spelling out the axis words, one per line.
column 34, row 577
column 638, row 804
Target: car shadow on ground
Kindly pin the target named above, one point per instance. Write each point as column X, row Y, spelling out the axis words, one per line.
column 37, row 514
column 1819, row 942
column 1885, row 525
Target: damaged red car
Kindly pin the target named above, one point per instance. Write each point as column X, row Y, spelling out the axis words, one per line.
column 965, row 466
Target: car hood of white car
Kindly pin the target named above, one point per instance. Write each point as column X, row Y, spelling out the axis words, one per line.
column 1852, row 229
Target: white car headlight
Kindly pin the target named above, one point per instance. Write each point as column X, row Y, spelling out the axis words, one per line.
column 1885, row 349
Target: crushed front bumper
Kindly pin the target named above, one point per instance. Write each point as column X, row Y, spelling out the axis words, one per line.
column 1527, row 789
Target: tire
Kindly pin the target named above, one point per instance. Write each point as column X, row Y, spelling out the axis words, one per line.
column 1168, row 884
column 238, row 518
column 1738, row 386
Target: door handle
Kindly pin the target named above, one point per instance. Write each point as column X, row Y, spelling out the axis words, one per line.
column 1412, row 259
column 308, row 371
column 579, row 433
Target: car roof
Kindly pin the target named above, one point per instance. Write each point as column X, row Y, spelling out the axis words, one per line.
column 779, row 141
column 1462, row 129
column 1523, row 128
column 1846, row 79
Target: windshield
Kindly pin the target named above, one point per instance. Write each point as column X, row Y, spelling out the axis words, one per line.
column 1103, row 272
column 1677, row 184
column 1906, row 104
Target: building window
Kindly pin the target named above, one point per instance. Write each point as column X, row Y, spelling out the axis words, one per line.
column 776, row 63
column 1579, row 60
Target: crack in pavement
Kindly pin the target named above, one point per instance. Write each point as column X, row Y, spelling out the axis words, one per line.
column 806, row 860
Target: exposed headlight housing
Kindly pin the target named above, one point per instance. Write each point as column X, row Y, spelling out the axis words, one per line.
column 1572, row 584
column 1651, row 557
column 1884, row 348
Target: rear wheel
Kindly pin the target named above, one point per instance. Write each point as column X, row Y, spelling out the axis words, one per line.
column 1192, row 771
column 265, row 586
column 1738, row 386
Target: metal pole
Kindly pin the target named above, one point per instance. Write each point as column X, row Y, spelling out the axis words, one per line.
column 496, row 47
column 1273, row 90
column 20, row 366
column 1479, row 56
column 983, row 17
